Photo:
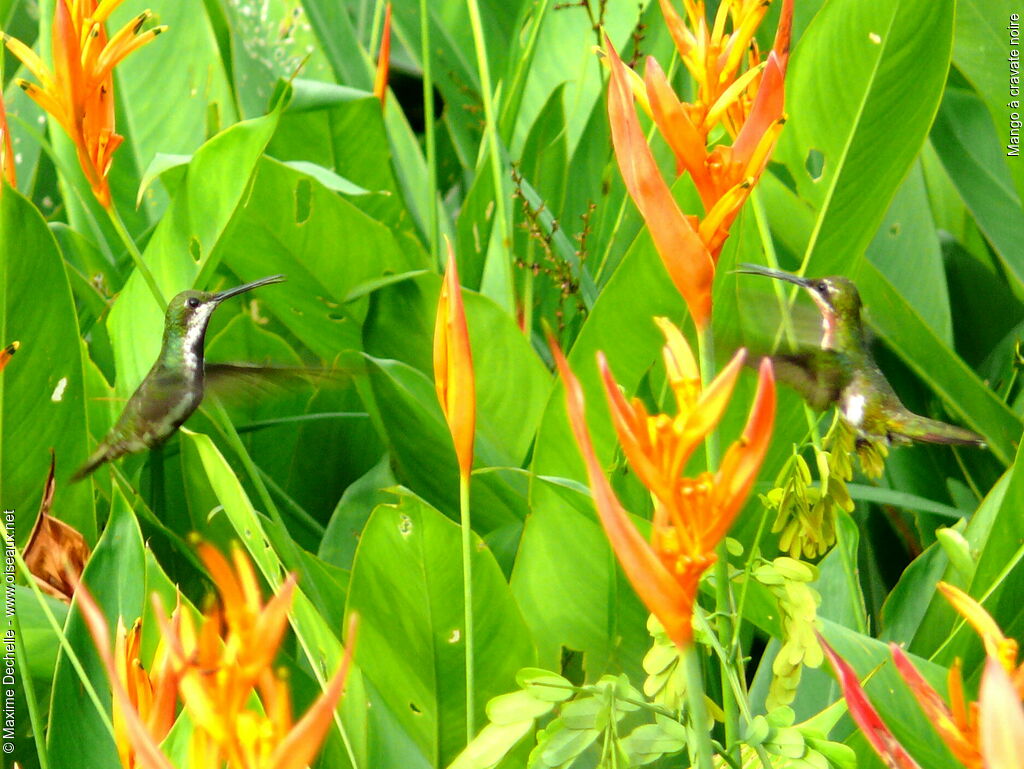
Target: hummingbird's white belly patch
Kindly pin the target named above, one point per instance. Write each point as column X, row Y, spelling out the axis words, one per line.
column 853, row 409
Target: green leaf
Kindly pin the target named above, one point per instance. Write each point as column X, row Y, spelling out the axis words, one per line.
column 994, row 533
column 861, row 91
column 346, row 135
column 966, row 143
column 980, row 53
column 406, row 584
column 42, row 401
column 324, row 244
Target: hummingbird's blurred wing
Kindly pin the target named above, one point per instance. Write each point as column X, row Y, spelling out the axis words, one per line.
column 231, row 381
column 818, row 375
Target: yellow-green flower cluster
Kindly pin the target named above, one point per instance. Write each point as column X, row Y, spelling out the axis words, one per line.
column 666, row 676
column 788, row 580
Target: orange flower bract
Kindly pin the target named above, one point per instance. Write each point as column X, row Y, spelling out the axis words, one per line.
column 380, row 81
column 453, row 366
column 79, row 90
column 736, row 89
column 686, row 258
column 691, row 515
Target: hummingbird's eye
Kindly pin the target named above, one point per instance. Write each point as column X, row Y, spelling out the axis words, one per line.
column 824, row 287
column 192, row 302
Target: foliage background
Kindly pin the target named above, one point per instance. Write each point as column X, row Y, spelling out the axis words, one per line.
column 892, row 170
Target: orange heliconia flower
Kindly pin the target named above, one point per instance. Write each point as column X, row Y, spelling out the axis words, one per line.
column 691, row 515
column 215, row 669
column 959, row 723
column 453, row 367
column 987, row 734
column 380, row 81
column 6, row 148
column 152, row 695
column 725, row 175
column 686, row 258
column 748, row 103
column 715, row 57
column 79, row 91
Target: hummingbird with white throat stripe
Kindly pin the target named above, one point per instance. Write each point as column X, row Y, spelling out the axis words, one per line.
column 175, row 385
column 843, row 372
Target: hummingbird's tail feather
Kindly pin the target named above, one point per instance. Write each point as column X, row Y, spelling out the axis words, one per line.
column 101, row 455
column 933, row 431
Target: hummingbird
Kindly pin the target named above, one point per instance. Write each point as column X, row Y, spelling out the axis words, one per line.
column 174, row 386
column 843, row 372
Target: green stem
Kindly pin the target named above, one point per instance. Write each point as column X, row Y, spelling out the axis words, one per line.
column 133, row 250
column 724, row 606
column 701, row 751
column 736, row 682
column 431, row 140
column 467, row 598
column 491, row 135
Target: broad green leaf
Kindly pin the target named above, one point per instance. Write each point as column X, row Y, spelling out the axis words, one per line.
column 565, row 54
column 346, row 135
column 41, row 643
column 42, row 400
column 407, row 587
column 981, row 53
column 333, row 26
column 270, row 41
column 967, row 145
column 996, row 534
column 861, row 91
column 906, row 249
column 339, row 542
column 325, row 246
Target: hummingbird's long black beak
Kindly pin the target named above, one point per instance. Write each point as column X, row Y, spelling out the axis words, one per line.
column 756, row 269
column 228, row 293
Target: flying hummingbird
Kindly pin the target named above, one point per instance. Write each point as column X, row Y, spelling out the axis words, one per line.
column 174, row 387
column 843, row 372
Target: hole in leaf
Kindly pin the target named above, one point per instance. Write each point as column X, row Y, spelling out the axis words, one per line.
column 895, row 229
column 195, row 248
column 414, row 709
column 303, row 201
column 815, row 164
